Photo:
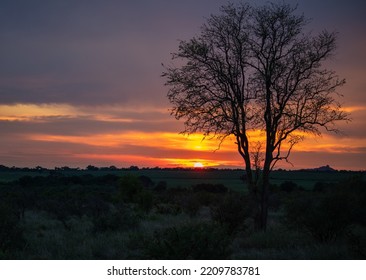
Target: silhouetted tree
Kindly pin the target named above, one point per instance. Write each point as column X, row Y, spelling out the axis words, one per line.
column 92, row 168
column 256, row 69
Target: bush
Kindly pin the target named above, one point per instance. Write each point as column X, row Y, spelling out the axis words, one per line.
column 146, row 181
column 189, row 203
column 356, row 238
column 11, row 234
column 192, row 241
column 129, row 188
column 145, row 201
column 168, row 209
column 96, row 207
column 121, row 218
column 325, row 217
column 231, row 211
column 212, row 188
column 131, row 191
column 207, row 198
column 354, row 191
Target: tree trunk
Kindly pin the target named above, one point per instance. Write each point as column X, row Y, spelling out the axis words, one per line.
column 265, row 191
column 264, row 200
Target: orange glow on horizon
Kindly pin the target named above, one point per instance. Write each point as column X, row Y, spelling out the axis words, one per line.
column 143, row 161
column 163, row 140
column 121, row 145
column 174, row 143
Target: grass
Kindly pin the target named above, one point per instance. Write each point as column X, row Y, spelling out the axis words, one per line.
column 279, row 243
column 189, row 177
column 47, row 238
column 128, row 232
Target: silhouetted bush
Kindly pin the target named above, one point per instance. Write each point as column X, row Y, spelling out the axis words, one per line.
column 231, row 211
column 145, row 201
column 27, row 181
column 11, row 234
column 208, row 198
column 325, row 217
column 21, row 198
column 190, row 203
column 61, row 210
column 168, row 209
column 356, row 238
column 146, row 181
column 192, row 241
column 354, row 191
column 129, row 188
column 172, row 195
column 120, row 218
column 275, row 201
column 96, row 207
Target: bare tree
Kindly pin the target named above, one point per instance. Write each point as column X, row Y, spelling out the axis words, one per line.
column 255, row 68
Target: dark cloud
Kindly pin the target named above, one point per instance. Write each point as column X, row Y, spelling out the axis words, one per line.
column 95, row 54
column 69, row 126
column 89, row 52
column 107, row 52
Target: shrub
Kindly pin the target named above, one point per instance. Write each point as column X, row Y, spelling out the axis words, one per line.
column 325, row 217
column 231, row 211
column 192, row 241
column 129, row 187
column 11, row 234
column 168, row 209
column 356, row 238
column 207, row 198
column 354, row 191
column 146, row 181
column 96, row 207
column 189, row 203
column 173, row 195
column 121, row 218
column 213, row 188
column 145, row 201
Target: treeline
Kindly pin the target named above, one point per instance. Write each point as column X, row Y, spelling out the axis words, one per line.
column 112, row 168
column 95, row 168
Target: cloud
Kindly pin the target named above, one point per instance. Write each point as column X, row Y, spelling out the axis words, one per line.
column 80, row 82
column 94, row 53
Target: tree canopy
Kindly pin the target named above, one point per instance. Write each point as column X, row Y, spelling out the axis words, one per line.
column 256, row 69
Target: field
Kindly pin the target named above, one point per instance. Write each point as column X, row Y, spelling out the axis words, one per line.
column 189, row 177
column 179, row 214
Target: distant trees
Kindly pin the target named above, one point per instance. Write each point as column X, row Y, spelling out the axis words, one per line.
column 256, row 69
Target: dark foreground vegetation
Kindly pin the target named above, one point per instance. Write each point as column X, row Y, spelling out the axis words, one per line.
column 112, row 216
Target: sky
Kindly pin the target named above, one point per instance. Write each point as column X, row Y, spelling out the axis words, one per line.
column 80, row 84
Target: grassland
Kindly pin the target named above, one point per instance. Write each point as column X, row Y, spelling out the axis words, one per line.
column 179, row 214
column 188, row 177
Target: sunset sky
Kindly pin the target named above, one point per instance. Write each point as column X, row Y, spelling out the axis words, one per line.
column 80, row 84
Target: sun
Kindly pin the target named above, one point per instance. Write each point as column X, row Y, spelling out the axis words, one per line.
column 198, row 165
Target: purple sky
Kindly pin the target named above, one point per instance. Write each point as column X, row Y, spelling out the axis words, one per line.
column 71, row 71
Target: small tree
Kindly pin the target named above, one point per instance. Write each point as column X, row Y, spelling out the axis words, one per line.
column 255, row 69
